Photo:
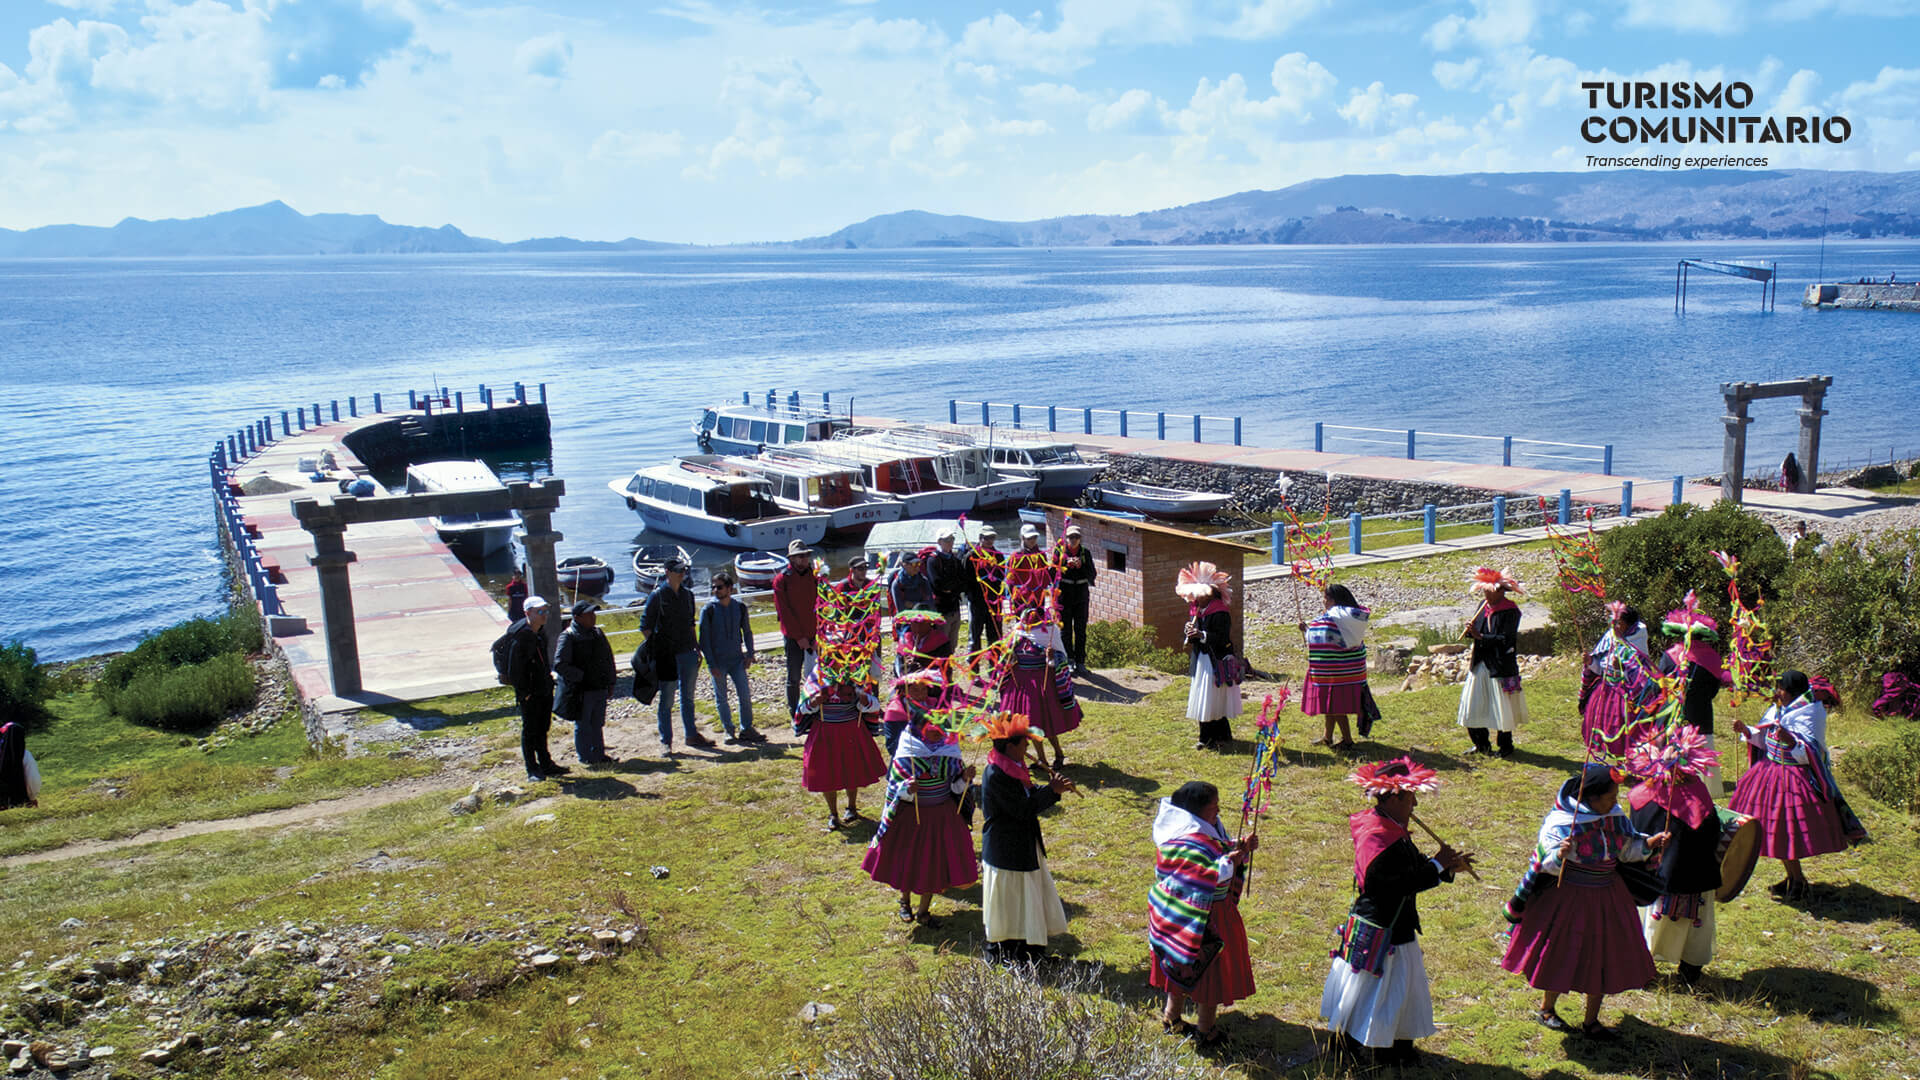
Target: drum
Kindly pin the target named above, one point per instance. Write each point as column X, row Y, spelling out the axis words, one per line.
column 1738, row 852
column 1641, row 881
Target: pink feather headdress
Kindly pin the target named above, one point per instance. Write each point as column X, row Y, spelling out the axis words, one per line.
column 1672, row 757
column 1616, row 608
column 1689, row 616
column 1486, row 580
column 1197, row 581
column 1393, row 777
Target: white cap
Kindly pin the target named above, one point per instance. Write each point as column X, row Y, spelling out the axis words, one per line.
column 1028, row 530
column 944, row 534
column 535, row 603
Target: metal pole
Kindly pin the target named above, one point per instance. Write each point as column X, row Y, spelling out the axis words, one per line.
column 1319, row 437
column 335, row 404
column 1086, row 417
column 1353, row 533
column 1196, row 427
column 986, row 416
column 1566, row 507
column 1123, row 423
column 1051, row 419
column 353, row 406
column 1626, row 498
column 1409, row 444
column 1606, row 461
column 1279, row 543
column 953, row 411
column 376, row 404
column 1499, row 515
column 300, row 413
column 1162, row 435
column 413, row 400
column 1677, row 492
column 1236, row 431
column 1506, row 451
column 1429, row 520
column 459, row 401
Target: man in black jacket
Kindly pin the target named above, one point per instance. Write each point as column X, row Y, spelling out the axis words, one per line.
column 1076, row 589
column 532, row 683
column 585, row 666
column 667, row 623
column 950, row 573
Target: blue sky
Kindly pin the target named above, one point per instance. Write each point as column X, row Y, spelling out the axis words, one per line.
column 713, row 121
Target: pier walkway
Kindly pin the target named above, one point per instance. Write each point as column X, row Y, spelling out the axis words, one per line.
column 424, row 624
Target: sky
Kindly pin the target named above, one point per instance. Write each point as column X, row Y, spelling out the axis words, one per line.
column 710, row 121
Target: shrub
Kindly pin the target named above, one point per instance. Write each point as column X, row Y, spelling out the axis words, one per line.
column 976, row 1020
column 1651, row 564
column 187, row 697
column 192, row 644
column 1112, row 643
column 1852, row 612
column 1889, row 772
column 23, row 685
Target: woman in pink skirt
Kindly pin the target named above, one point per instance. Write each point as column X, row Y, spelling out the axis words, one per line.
column 839, row 754
column 1197, row 940
column 922, row 844
column 1575, row 925
column 1336, row 665
column 1789, row 784
column 1618, row 665
column 1039, row 684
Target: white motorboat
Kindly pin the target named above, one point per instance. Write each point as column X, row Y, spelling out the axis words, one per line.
column 1055, row 464
column 962, row 464
column 909, row 476
column 709, row 506
column 475, row 535
column 805, row 485
column 740, row 428
column 1160, row 502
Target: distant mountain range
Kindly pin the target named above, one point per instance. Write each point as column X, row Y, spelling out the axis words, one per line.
column 274, row 229
column 1467, row 208
column 1383, row 209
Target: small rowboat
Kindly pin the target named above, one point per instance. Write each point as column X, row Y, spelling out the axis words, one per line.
column 588, row 575
column 755, row 569
column 650, row 563
column 1160, row 502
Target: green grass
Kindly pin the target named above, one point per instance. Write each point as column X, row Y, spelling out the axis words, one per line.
column 104, row 777
column 763, row 913
column 1909, row 486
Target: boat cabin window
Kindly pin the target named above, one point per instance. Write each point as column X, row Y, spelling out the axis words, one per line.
column 923, row 472
column 707, row 419
column 796, row 433
column 790, row 488
column 633, row 485
column 835, row 490
column 759, row 431
column 725, row 427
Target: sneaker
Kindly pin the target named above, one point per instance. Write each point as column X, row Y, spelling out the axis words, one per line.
column 700, row 741
column 555, row 769
column 751, row 735
column 535, row 778
column 731, row 739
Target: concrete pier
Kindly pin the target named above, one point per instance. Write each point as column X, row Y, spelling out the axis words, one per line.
column 1883, row 296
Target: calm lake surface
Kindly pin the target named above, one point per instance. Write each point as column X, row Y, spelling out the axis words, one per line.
column 120, row 374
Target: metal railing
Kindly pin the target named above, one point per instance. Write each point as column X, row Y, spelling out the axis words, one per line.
column 1133, row 423
column 1408, row 439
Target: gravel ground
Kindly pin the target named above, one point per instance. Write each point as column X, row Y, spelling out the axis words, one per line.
column 1894, row 519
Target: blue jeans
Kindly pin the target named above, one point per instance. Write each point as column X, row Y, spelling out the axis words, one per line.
column 685, row 667
column 590, row 731
column 737, row 671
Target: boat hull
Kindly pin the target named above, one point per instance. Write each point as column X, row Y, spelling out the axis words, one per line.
column 478, row 542
column 1161, row 508
column 588, row 581
column 772, row 534
column 940, row 501
column 754, row 571
column 1011, row 491
column 1056, row 482
column 857, row 519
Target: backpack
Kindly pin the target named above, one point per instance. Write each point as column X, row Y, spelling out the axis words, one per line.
column 503, row 649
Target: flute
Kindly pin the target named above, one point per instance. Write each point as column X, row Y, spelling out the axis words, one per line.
column 1415, row 818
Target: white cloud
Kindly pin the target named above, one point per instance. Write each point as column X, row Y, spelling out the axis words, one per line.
column 1495, row 24
column 1019, row 127
column 545, row 57
column 1693, row 16
column 636, row 145
column 1299, row 82
column 1053, row 96
column 885, row 37
column 1453, row 76
column 91, row 7
column 1373, row 108
column 1136, row 112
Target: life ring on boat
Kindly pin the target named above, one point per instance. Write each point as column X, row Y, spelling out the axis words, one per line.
column 704, row 441
column 733, row 529
column 631, row 505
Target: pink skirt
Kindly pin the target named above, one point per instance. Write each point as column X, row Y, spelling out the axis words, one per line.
column 1031, row 694
column 1605, row 712
column 1582, row 939
column 839, row 756
column 1795, row 822
column 1337, row 699
column 926, row 852
column 1230, row 977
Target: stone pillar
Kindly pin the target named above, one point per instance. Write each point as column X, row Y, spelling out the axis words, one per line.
column 542, row 577
column 331, row 558
column 1810, row 414
column 1733, row 459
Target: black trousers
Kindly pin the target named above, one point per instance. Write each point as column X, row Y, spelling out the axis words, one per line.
column 1480, row 741
column 1073, row 623
column 536, row 717
column 982, row 620
column 796, row 663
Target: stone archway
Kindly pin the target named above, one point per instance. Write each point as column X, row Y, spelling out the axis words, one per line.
column 1811, row 391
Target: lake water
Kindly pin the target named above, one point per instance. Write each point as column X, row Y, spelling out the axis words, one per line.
column 120, row 374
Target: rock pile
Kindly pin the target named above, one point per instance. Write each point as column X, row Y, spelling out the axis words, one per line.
column 1449, row 664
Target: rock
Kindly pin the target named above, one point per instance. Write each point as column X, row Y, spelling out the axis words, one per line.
column 815, row 1011
column 87, row 992
column 100, row 1053
column 545, row 960
column 21, row 1064
column 71, row 924
column 538, row 819
column 573, row 999
column 156, row 1056
column 659, row 872
column 507, row 796
column 606, row 939
column 12, row 1047
column 587, row 956
column 465, row 804
column 1388, row 660
column 41, row 1052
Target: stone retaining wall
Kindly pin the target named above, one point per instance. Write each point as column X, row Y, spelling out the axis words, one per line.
column 1257, row 491
column 410, row 437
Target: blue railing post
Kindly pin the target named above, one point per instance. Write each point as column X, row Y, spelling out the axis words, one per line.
column 1016, row 414
column 413, row 400
column 953, row 410
column 793, row 401
column 1506, row 450
column 543, row 393
column 1626, row 498
column 1429, row 519
column 1606, row 460
column 1410, row 444
column 1161, row 433
column 376, row 404
column 486, row 398
column 1499, row 515
column 1566, row 507
column 483, row 393
column 520, row 393
column 746, row 397
column 986, row 412
column 826, row 401
column 1236, row 431
column 1196, row 427
column 353, row 406
column 426, row 405
column 1353, row 533
column 1051, row 419
column 459, row 401
column 1086, row 418
column 335, row 403
column 1279, row 543
column 1319, row 437
column 300, row 414
column 1123, row 423
column 1679, row 491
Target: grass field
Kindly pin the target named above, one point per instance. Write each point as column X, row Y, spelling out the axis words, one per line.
column 763, row 913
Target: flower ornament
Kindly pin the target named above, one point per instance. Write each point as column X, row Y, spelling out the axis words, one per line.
column 1672, row 756
column 1197, row 581
column 1393, row 777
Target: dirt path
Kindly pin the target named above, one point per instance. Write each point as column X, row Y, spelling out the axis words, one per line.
column 365, row 799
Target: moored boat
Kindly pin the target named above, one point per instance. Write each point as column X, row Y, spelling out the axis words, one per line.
column 805, row 485
column 1056, row 466
column 741, row 428
column 909, row 476
column 1173, row 504
column 716, row 508
column 474, row 535
column 957, row 461
column 756, row 569
column 650, row 563
column 588, row 575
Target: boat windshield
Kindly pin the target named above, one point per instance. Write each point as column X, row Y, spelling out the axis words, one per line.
column 1054, row 455
column 832, row 490
column 742, row 502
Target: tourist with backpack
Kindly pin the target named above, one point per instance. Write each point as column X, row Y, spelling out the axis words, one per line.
column 668, row 625
column 585, row 666
column 530, row 676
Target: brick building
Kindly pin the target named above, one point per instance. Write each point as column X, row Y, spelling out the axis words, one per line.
column 1137, row 563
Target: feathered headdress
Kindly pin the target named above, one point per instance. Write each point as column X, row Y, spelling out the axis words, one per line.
column 1393, row 777
column 1616, row 608
column 919, row 615
column 1486, row 579
column 1671, row 757
column 1197, row 581
column 927, row 677
column 1005, row 725
column 1688, row 620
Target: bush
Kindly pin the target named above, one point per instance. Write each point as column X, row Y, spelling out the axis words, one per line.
column 1112, row 643
column 183, row 644
column 977, row 1020
column 1652, row 563
column 1889, row 772
column 187, row 697
column 1852, row 612
column 23, row 685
